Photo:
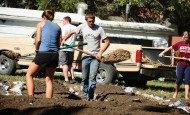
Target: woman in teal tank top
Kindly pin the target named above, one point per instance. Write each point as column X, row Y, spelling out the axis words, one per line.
column 47, row 44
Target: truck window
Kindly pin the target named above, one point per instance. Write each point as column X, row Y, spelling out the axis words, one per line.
column 117, row 40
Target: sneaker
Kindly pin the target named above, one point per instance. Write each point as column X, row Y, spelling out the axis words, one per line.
column 65, row 83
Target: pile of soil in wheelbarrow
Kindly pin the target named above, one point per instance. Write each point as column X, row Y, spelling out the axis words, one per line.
column 116, row 56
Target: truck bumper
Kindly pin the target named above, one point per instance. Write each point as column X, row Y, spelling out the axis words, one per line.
column 128, row 67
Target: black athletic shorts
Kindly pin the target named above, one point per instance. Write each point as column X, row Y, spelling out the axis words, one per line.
column 47, row 59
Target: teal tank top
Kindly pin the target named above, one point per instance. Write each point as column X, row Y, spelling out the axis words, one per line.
column 50, row 37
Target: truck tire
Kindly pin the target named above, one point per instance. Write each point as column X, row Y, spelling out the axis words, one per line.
column 106, row 74
column 7, row 65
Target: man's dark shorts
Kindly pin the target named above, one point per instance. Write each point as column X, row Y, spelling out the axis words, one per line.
column 66, row 57
column 47, row 59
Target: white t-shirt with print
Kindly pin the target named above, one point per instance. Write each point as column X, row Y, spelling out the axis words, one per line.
column 92, row 36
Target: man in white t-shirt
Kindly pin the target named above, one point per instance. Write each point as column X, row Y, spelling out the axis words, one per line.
column 66, row 55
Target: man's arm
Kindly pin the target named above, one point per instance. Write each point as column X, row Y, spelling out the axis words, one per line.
column 166, row 50
column 60, row 37
column 64, row 38
column 103, row 48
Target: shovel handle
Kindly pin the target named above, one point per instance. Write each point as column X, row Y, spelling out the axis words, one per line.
column 88, row 53
column 80, row 50
column 176, row 57
column 83, row 51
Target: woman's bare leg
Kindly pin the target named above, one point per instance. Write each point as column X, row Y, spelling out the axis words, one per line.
column 33, row 69
column 176, row 91
column 49, row 82
column 186, row 91
column 72, row 72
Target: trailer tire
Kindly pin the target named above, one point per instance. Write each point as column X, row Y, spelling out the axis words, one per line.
column 106, row 74
column 7, row 65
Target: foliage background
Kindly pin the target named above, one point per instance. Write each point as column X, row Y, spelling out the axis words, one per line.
column 146, row 11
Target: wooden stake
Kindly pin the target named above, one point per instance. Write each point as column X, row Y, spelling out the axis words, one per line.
column 172, row 57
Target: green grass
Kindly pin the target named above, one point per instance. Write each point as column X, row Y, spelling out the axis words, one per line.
column 21, row 76
column 163, row 89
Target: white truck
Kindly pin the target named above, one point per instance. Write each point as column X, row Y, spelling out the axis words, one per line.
column 17, row 34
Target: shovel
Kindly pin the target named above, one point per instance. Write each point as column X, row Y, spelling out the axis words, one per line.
column 113, row 57
column 64, row 47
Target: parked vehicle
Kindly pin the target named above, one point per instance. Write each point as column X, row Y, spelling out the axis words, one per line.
column 17, row 34
column 25, row 47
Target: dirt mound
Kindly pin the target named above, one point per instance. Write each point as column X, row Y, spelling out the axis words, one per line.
column 116, row 56
column 11, row 54
column 111, row 100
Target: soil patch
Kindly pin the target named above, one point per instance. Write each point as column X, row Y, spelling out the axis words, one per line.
column 111, row 100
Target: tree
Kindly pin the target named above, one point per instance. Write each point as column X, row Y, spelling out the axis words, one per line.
column 27, row 4
column 178, row 12
column 149, row 11
column 157, row 11
column 59, row 5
